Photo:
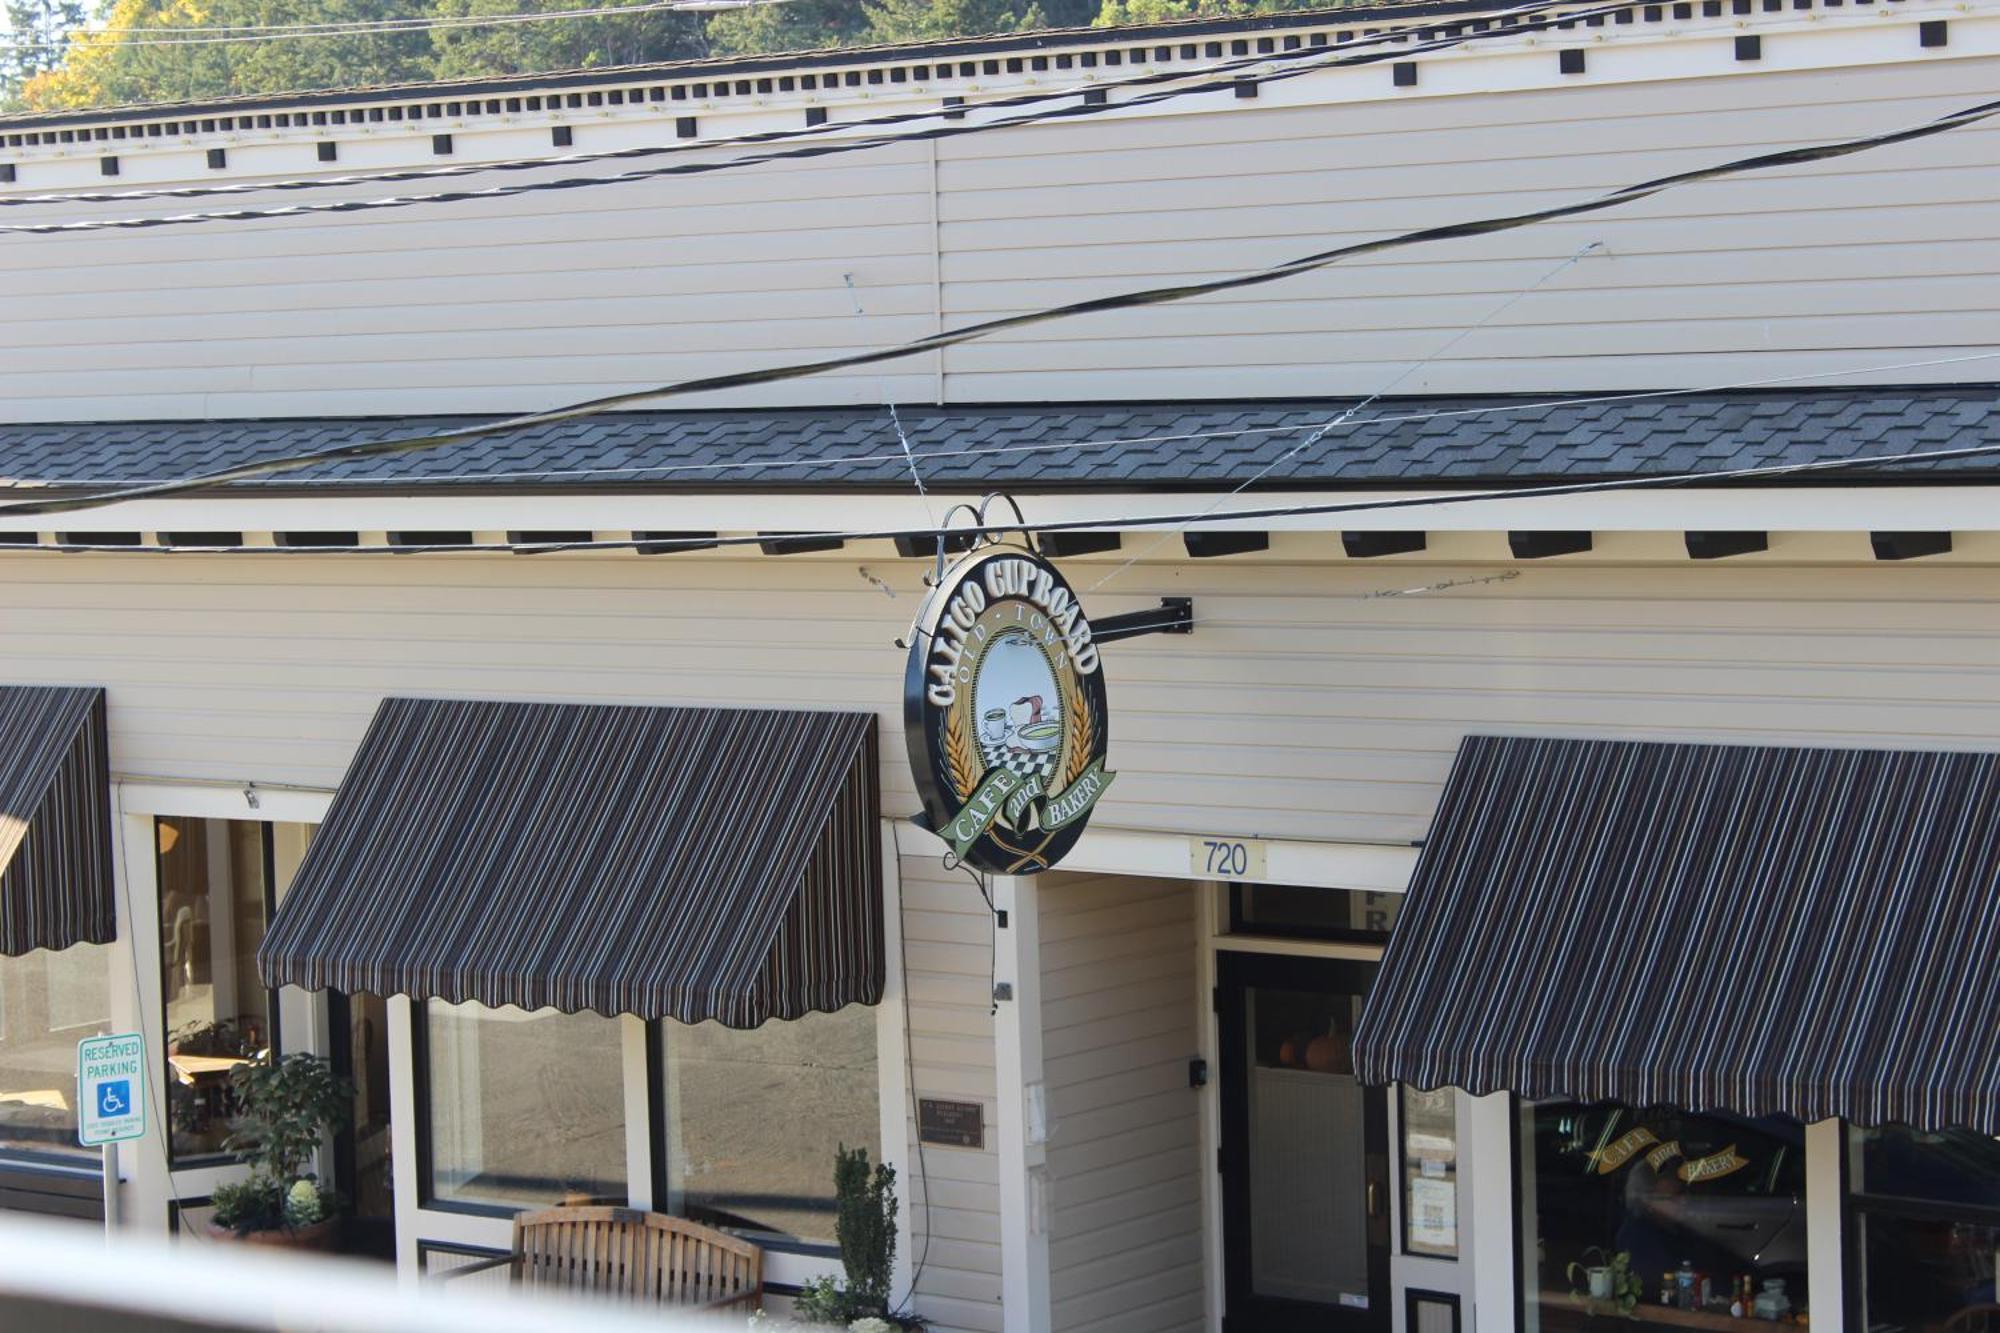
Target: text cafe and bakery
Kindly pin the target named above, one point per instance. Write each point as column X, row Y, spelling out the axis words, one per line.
column 1331, row 861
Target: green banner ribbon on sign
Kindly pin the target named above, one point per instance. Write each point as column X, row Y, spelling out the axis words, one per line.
column 1075, row 800
column 986, row 804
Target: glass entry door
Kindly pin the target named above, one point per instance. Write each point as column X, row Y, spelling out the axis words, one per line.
column 1305, row 1179
column 362, row 1171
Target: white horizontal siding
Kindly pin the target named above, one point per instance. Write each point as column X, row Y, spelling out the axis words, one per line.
column 525, row 302
column 1118, row 1020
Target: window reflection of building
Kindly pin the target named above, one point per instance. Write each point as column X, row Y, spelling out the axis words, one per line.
column 753, row 1119
column 525, row 1109
column 48, row 1002
column 1927, row 1221
column 214, row 894
column 1697, row 1205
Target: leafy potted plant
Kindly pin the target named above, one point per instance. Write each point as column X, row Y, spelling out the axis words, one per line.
column 1608, row 1285
column 285, row 1108
column 865, row 1226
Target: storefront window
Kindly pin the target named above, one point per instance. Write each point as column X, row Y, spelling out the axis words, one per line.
column 1926, row 1211
column 1430, row 1172
column 524, row 1109
column 215, row 898
column 753, row 1119
column 48, row 1003
column 1657, row 1213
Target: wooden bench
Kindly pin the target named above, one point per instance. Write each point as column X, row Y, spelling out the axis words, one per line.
column 626, row 1253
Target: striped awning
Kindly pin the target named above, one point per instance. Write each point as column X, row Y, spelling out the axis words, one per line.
column 1812, row 933
column 55, row 819
column 687, row 863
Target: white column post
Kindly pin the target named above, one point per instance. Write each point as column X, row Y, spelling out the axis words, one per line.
column 638, row 1115
column 403, row 1133
column 1486, row 1201
column 1825, row 1210
column 1022, row 1131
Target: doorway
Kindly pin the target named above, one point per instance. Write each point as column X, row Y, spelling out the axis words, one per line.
column 1304, row 1150
column 362, row 1171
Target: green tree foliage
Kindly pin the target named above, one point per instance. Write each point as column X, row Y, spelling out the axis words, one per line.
column 64, row 66
column 39, row 31
column 522, row 48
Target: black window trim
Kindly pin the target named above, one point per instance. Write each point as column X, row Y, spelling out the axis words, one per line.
column 1238, row 925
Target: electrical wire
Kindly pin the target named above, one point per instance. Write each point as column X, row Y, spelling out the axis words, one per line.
column 985, row 329
column 1105, row 522
column 1313, row 60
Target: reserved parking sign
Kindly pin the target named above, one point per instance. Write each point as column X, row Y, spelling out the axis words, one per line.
column 110, row 1088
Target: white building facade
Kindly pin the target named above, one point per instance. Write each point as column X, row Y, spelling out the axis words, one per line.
column 1123, row 1094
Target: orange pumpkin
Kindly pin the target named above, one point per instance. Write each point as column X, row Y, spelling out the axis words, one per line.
column 1291, row 1051
column 1328, row 1055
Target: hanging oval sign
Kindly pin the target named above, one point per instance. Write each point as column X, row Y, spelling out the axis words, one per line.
column 1004, row 713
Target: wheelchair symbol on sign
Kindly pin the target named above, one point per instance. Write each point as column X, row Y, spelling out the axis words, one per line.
column 114, row 1098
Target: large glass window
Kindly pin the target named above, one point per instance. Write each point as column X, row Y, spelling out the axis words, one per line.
column 48, row 1003
column 524, row 1109
column 1656, row 1213
column 215, row 897
column 1927, row 1226
column 753, row 1119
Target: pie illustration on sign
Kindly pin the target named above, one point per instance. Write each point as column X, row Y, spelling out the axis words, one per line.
column 1004, row 712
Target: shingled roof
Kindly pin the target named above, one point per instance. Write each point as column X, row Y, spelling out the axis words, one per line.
column 1452, row 442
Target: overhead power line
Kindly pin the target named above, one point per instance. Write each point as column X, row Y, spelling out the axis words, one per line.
column 1216, row 78
column 1150, row 296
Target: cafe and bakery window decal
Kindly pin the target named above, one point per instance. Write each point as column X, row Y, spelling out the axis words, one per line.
column 1004, row 712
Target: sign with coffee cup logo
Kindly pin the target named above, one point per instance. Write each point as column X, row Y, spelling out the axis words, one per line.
column 1004, row 713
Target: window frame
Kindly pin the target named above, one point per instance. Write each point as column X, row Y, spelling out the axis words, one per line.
column 267, row 857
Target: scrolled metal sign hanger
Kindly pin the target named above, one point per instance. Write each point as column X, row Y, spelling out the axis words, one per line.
column 1004, row 708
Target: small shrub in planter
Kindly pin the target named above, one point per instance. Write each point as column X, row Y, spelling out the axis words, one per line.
column 865, row 1226
column 286, row 1108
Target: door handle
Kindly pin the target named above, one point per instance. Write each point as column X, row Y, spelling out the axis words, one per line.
column 1371, row 1198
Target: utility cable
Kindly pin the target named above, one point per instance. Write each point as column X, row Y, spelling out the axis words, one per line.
column 1765, row 472
column 985, row 329
column 1071, row 111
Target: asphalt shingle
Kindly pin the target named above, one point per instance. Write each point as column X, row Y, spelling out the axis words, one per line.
column 1456, row 441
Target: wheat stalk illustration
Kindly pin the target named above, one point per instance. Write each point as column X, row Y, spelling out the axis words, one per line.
column 1083, row 738
column 959, row 756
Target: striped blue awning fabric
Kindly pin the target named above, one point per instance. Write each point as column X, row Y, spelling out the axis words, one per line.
column 685, row 863
column 1805, row 932
column 55, row 819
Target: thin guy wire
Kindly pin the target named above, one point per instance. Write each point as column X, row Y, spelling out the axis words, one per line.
column 1348, row 415
column 1128, row 300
